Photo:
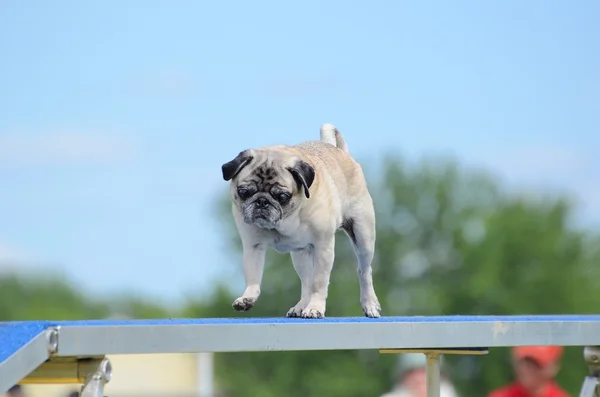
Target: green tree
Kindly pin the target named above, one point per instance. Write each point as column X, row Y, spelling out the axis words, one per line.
column 450, row 241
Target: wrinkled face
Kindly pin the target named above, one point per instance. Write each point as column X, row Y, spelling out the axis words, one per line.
column 265, row 195
column 268, row 186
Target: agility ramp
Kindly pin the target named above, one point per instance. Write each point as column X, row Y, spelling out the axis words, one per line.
column 73, row 352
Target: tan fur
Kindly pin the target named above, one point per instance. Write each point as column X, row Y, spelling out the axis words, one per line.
column 339, row 198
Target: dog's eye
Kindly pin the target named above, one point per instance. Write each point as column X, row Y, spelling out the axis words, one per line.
column 244, row 193
column 283, row 197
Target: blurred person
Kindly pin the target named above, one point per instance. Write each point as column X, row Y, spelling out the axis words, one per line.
column 411, row 380
column 535, row 369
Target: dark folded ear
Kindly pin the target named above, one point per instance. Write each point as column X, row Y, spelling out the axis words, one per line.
column 233, row 167
column 304, row 175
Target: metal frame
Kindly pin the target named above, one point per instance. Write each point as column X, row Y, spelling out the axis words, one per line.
column 74, row 351
column 24, row 350
column 591, row 383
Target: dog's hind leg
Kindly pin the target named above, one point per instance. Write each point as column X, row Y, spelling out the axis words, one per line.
column 360, row 228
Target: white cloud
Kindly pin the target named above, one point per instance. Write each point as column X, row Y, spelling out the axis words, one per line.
column 589, row 199
column 180, row 82
column 538, row 161
column 16, row 261
column 540, row 170
column 63, row 148
column 11, row 254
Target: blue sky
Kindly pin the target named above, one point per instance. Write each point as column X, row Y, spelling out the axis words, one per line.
column 116, row 116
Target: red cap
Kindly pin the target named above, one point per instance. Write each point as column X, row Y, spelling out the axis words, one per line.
column 544, row 355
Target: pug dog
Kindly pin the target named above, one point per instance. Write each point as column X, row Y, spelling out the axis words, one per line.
column 294, row 199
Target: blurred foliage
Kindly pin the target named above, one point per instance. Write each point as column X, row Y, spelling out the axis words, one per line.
column 50, row 297
column 449, row 241
column 44, row 297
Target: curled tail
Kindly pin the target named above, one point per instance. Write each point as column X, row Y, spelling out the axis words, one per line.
column 331, row 135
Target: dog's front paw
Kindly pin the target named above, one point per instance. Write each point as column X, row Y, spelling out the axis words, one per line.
column 243, row 304
column 311, row 313
column 313, row 310
column 372, row 309
column 296, row 311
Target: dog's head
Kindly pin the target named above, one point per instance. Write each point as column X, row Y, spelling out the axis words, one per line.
column 268, row 185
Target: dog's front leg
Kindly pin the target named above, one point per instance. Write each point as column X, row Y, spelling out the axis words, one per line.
column 303, row 264
column 324, row 253
column 254, row 264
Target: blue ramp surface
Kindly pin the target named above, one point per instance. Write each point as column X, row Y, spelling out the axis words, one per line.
column 575, row 318
column 16, row 335
column 23, row 348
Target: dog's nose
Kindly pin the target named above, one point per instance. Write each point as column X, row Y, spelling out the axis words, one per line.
column 262, row 202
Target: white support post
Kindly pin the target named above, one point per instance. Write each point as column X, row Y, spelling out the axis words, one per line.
column 433, row 374
column 95, row 381
column 205, row 374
